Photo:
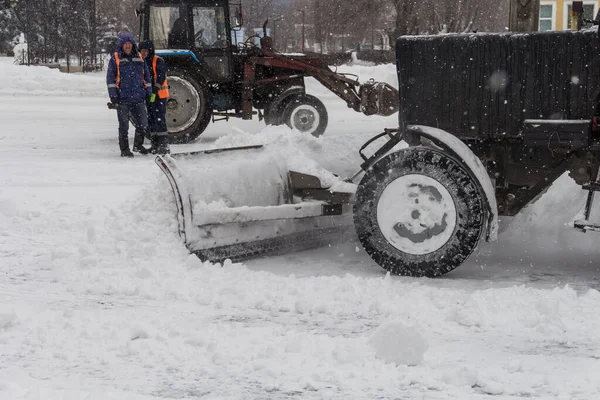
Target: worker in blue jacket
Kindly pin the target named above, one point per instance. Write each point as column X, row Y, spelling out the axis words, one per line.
column 157, row 107
column 129, row 87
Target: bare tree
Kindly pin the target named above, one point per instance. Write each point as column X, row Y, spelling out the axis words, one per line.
column 408, row 16
column 468, row 15
column 50, row 25
column 444, row 16
column 121, row 11
column 256, row 12
column 345, row 18
column 456, row 17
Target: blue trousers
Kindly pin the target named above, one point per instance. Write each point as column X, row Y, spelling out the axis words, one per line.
column 157, row 117
column 136, row 111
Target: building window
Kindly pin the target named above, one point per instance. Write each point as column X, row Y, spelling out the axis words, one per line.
column 546, row 17
column 589, row 12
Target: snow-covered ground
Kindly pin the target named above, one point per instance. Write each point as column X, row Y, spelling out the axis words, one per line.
column 100, row 300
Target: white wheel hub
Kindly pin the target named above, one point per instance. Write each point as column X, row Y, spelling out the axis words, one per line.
column 305, row 118
column 183, row 105
column 416, row 214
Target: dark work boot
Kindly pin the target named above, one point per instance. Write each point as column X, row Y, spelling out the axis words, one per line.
column 138, row 144
column 163, row 145
column 160, row 145
column 153, row 144
column 124, row 146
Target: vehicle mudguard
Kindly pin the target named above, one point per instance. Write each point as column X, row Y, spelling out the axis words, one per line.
column 457, row 148
column 286, row 93
column 188, row 61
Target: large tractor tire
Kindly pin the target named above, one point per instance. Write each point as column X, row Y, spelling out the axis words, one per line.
column 418, row 212
column 274, row 113
column 305, row 113
column 189, row 108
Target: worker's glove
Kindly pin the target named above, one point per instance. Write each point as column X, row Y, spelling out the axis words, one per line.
column 153, row 98
column 114, row 100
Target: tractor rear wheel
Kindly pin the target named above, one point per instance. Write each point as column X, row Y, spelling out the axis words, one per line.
column 418, row 212
column 189, row 108
column 306, row 113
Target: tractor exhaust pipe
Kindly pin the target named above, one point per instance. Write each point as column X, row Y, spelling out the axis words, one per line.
column 266, row 42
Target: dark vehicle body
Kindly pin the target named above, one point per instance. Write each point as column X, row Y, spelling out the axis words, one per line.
column 491, row 121
column 523, row 102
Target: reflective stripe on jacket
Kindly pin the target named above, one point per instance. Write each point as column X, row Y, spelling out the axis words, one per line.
column 128, row 77
column 159, row 69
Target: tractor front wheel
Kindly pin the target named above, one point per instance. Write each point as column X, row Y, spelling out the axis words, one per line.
column 418, row 212
column 274, row 113
column 189, row 107
column 306, row 113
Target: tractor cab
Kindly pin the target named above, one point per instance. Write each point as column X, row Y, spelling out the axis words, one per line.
column 193, row 33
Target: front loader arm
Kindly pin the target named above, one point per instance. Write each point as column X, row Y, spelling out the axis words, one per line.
column 342, row 86
column 371, row 98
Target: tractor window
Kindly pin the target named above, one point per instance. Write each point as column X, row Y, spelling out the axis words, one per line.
column 168, row 28
column 209, row 27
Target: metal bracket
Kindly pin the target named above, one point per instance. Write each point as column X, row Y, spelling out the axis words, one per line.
column 394, row 137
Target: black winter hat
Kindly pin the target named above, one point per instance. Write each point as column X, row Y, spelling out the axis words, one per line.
column 147, row 44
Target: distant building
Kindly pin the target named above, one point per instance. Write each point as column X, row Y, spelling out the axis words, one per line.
column 554, row 14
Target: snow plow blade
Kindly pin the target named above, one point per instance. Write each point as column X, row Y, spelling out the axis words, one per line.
column 246, row 202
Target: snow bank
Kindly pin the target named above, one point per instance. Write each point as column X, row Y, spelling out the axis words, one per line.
column 542, row 236
column 299, row 151
column 27, row 388
column 255, row 177
column 100, row 299
column 361, row 70
column 43, row 81
column 397, row 343
column 562, row 204
column 126, row 309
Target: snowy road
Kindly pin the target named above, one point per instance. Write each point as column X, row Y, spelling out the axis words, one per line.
column 99, row 299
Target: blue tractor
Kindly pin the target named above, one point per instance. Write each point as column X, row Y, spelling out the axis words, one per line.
column 211, row 77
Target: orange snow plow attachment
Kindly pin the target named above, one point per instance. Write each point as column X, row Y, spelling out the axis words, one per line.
column 245, row 202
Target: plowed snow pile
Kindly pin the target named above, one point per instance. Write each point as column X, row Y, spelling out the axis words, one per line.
column 43, row 81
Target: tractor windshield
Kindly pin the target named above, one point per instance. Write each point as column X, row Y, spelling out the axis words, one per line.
column 209, row 27
column 168, row 27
